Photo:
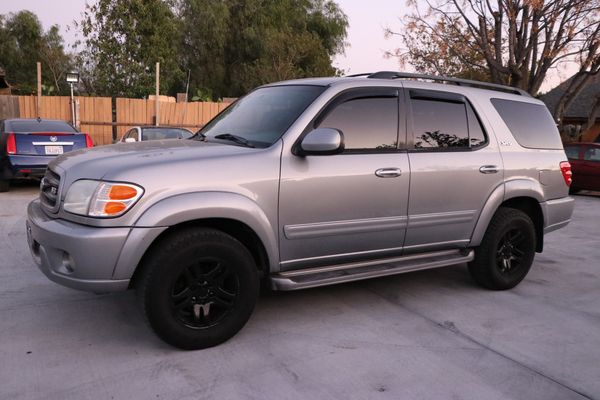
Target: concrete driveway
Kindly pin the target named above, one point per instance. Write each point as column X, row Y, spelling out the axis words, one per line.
column 424, row 335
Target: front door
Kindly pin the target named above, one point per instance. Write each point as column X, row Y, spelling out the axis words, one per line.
column 339, row 208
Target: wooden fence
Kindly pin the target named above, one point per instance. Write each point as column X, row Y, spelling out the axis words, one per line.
column 97, row 118
column 132, row 112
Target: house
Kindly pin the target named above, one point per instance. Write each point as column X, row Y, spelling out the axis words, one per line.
column 4, row 86
column 576, row 117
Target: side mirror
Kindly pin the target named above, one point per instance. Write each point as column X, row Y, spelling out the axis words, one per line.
column 320, row 142
column 130, row 140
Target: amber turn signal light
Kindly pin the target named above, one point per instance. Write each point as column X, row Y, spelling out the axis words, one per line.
column 118, row 192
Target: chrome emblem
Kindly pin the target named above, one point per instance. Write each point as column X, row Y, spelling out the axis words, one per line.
column 54, row 190
column 53, row 138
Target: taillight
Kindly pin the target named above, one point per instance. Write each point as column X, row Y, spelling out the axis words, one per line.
column 11, row 144
column 88, row 141
column 565, row 168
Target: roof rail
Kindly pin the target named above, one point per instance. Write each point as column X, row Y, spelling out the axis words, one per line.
column 457, row 81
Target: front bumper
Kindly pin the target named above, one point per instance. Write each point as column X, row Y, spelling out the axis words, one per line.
column 74, row 255
column 557, row 213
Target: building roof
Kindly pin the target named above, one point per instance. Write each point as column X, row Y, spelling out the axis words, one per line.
column 583, row 103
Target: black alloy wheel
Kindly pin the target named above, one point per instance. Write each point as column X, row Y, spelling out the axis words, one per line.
column 197, row 287
column 511, row 251
column 204, row 293
column 506, row 252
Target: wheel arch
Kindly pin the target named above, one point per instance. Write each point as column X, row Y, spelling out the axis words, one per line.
column 231, row 213
column 521, row 194
column 236, row 229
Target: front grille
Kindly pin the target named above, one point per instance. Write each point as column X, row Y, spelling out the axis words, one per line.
column 49, row 193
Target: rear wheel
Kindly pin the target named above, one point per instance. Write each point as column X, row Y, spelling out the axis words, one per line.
column 198, row 288
column 4, row 186
column 506, row 252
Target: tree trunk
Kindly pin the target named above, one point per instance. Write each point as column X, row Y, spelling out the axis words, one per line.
column 594, row 114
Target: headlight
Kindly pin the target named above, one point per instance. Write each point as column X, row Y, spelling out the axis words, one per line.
column 101, row 199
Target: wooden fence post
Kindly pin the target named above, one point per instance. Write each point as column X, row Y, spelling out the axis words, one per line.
column 157, row 118
column 39, row 90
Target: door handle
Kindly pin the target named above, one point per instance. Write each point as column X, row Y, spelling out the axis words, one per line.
column 488, row 169
column 388, row 172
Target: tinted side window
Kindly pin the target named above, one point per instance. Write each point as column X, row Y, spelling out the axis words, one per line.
column 367, row 123
column 572, row 152
column 592, row 154
column 443, row 124
column 531, row 124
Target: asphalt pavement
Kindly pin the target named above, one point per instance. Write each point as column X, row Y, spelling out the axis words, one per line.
column 424, row 335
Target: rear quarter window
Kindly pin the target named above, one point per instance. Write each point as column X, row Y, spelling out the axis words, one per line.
column 531, row 124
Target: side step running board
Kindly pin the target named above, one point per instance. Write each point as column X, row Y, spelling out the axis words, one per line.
column 330, row 275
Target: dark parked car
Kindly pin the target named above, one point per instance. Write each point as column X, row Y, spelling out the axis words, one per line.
column 28, row 145
column 143, row 133
column 585, row 164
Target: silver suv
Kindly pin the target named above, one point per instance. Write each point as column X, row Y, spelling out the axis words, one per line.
column 307, row 183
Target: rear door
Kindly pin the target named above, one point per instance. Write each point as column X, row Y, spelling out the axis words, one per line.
column 454, row 169
column 590, row 168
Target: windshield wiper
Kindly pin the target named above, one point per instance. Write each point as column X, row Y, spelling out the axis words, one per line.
column 234, row 138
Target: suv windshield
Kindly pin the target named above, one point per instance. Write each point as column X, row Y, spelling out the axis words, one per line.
column 262, row 117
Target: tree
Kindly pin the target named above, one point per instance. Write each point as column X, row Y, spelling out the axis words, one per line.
column 434, row 55
column 23, row 42
column 56, row 62
column 232, row 46
column 206, row 27
column 123, row 39
column 516, row 41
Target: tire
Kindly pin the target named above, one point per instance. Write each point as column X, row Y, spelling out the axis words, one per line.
column 574, row 190
column 198, row 288
column 506, row 252
column 4, row 186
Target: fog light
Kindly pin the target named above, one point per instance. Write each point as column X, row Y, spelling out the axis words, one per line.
column 67, row 263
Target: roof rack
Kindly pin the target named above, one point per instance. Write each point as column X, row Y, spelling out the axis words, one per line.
column 457, row 81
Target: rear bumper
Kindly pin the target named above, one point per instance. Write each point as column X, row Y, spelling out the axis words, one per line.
column 557, row 213
column 26, row 166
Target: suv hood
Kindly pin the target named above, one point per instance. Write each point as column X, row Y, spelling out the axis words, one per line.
column 97, row 162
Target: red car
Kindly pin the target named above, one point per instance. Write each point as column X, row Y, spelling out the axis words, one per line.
column 585, row 164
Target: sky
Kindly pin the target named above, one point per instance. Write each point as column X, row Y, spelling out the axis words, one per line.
column 367, row 44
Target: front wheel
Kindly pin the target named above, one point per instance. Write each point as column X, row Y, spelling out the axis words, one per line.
column 506, row 252
column 4, row 186
column 198, row 288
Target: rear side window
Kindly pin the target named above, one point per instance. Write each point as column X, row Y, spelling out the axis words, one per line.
column 439, row 124
column 531, row 124
column 572, row 152
column 369, row 123
column 41, row 126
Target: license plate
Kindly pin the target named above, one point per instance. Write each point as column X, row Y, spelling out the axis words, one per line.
column 53, row 150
